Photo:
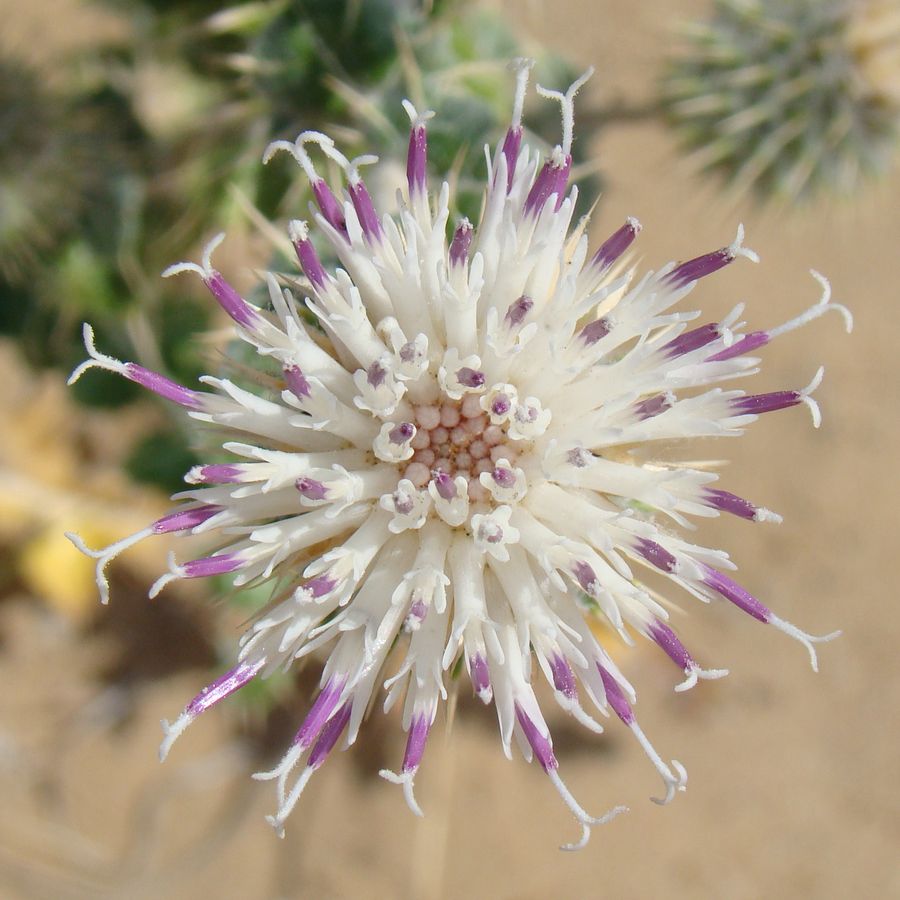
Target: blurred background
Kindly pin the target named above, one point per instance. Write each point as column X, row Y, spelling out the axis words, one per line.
column 130, row 132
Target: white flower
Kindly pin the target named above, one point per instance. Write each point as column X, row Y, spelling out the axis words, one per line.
column 472, row 465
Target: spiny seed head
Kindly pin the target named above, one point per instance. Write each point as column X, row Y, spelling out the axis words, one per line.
column 789, row 99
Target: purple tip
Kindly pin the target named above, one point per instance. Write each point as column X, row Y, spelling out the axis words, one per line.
column 517, row 311
column 563, row 676
column 415, row 743
column 418, row 610
column 459, row 246
column 699, row 267
column 579, row 457
column 417, row 159
column 231, row 301
column 594, row 331
column 311, row 489
column 212, row 565
column 734, row 593
column 504, row 477
column 656, row 554
column 746, row 344
column 730, row 503
column 653, row 406
column 669, row 642
column 184, row 519
column 470, row 378
column 226, row 684
column 164, row 387
column 310, row 262
column 332, row 730
column 328, row 203
column 296, row 382
column 552, row 179
column 500, row 405
column 444, row 484
column 692, row 340
column 376, row 374
column 365, row 210
column 478, row 672
column 319, row 712
column 615, row 697
column 757, row 404
column 511, row 144
column 402, row 433
column 616, row 245
column 321, row 585
column 542, row 746
column 219, row 473
column 585, row 575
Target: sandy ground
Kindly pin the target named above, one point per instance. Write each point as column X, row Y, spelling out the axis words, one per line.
column 793, row 776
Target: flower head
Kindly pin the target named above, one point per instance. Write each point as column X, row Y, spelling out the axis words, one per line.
column 791, row 100
column 465, row 464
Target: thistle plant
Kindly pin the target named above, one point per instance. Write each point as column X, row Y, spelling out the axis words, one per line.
column 790, row 99
column 466, row 463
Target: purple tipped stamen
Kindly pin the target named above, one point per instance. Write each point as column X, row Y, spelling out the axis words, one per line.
column 310, row 262
column 184, row 519
column 730, row 503
column 417, row 159
column 594, row 331
column 415, row 743
column 542, row 746
column 218, row 473
column 551, row 180
column 500, row 405
column 212, row 565
column 504, row 477
column 757, row 404
column 376, row 374
column 329, row 205
column 459, row 246
column 585, row 576
column 311, row 489
column 365, row 210
column 517, row 311
column 402, row 433
column 579, row 457
column 470, row 378
column 692, row 340
column 319, row 712
column 511, row 145
column 233, row 680
column 162, row 386
column 614, row 696
column 478, row 672
column 656, row 554
column 668, row 641
column 444, row 485
column 296, row 382
column 332, row 730
column 699, row 267
column 403, row 503
column 736, row 594
column 614, row 246
column 321, row 585
column 745, row 344
column 653, row 406
column 563, row 676
column 230, row 300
